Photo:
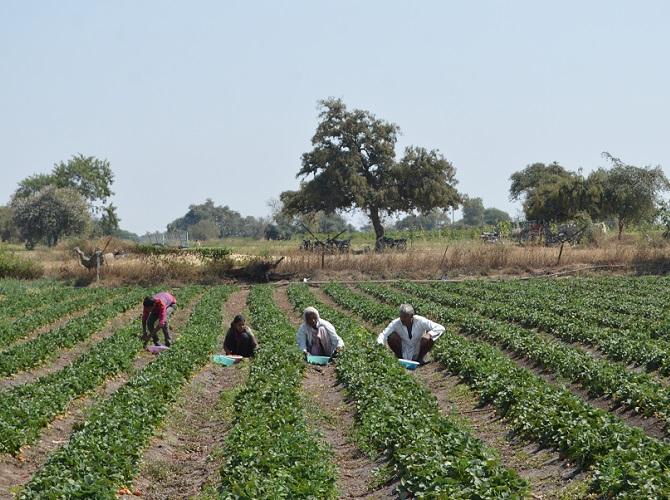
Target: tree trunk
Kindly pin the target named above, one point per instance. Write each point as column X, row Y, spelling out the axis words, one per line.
column 621, row 224
column 379, row 229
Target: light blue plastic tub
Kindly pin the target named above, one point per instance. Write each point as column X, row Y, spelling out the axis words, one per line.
column 219, row 359
column 409, row 364
column 317, row 360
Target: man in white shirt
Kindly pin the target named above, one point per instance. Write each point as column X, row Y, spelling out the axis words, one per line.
column 410, row 336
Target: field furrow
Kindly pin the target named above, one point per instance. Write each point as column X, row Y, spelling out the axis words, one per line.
column 271, row 452
column 18, row 469
column 433, row 455
column 537, row 410
column 183, row 459
column 102, row 455
column 598, row 377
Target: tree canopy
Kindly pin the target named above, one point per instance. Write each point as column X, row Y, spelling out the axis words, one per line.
column 632, row 194
column 50, row 214
column 493, row 216
column 353, row 165
column 435, row 219
column 89, row 176
column 553, row 194
column 473, row 212
column 229, row 222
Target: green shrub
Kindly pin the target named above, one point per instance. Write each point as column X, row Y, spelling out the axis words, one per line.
column 12, row 266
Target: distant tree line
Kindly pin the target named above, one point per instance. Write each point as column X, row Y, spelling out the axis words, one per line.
column 352, row 165
column 625, row 194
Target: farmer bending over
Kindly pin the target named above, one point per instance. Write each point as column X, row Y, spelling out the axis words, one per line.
column 411, row 336
column 317, row 336
column 239, row 340
column 157, row 308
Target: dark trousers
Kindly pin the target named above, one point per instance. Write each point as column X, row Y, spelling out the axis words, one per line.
column 151, row 320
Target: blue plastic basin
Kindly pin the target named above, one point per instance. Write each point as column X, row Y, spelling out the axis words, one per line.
column 318, row 360
column 219, row 359
column 409, row 364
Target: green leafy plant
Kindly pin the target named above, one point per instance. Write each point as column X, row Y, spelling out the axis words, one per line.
column 270, row 452
column 103, row 453
column 432, row 454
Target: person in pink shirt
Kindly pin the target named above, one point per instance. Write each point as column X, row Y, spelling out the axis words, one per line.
column 158, row 308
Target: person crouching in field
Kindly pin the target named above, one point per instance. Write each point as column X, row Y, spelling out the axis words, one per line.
column 410, row 336
column 158, row 308
column 317, row 336
column 240, row 340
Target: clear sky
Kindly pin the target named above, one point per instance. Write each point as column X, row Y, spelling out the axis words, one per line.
column 191, row 100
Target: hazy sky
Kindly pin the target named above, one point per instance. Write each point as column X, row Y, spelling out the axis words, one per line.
column 190, row 100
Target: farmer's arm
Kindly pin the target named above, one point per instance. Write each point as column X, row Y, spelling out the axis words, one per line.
column 228, row 343
column 435, row 330
column 301, row 339
column 381, row 339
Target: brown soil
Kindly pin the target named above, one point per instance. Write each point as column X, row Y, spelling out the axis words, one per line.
column 17, row 471
column 334, row 417
column 185, row 456
column 545, row 470
column 652, row 426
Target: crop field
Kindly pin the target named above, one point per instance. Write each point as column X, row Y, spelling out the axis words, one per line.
column 538, row 389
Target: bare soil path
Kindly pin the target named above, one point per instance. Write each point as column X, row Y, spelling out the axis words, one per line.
column 334, row 416
column 17, row 471
column 654, row 427
column 548, row 474
column 185, row 456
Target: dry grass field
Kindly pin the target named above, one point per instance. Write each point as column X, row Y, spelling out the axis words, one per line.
column 422, row 260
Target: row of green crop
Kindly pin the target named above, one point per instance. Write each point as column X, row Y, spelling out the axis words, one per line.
column 433, row 455
column 103, row 453
column 30, row 354
column 270, row 452
column 643, row 298
column 626, row 463
column 585, row 308
column 51, row 311
column 599, row 377
column 27, row 409
column 629, row 346
column 18, row 300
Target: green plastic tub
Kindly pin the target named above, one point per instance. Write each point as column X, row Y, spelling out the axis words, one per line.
column 220, row 359
column 318, row 360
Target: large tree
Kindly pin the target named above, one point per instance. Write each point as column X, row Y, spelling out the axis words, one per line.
column 89, row 176
column 632, row 194
column 473, row 212
column 50, row 214
column 553, row 194
column 353, row 165
column 8, row 230
column 493, row 216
